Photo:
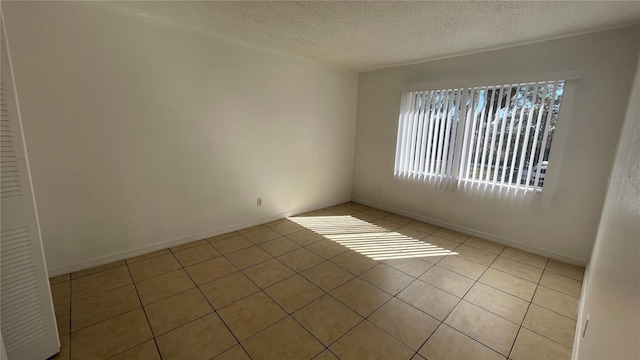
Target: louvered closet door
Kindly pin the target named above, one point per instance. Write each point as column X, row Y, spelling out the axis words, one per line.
column 27, row 319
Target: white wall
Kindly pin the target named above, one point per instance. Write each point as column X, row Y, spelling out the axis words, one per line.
column 566, row 228
column 612, row 294
column 142, row 134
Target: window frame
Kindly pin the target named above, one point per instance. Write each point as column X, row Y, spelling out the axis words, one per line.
column 561, row 131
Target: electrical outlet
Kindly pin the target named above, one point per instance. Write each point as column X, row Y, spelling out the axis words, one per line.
column 259, row 201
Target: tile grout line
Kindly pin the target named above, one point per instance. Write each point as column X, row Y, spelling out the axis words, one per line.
column 291, row 314
column 153, row 334
column 498, row 256
column 521, row 278
column 544, row 336
column 144, row 311
column 281, row 307
column 215, row 312
column 416, row 353
column 266, row 294
column 560, row 291
column 395, row 297
column 477, row 281
column 157, row 252
column 550, row 310
column 102, row 292
column 356, row 276
column 228, row 275
column 474, row 283
column 123, row 313
column 97, row 272
column 199, row 317
column 295, row 273
column 325, row 293
column 109, row 318
column 459, row 301
column 366, row 318
column 526, row 312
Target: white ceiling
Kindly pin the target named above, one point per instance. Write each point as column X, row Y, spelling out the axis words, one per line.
column 369, row 35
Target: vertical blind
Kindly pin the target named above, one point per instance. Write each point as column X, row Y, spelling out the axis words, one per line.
column 496, row 137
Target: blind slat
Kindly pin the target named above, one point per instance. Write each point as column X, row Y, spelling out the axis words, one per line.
column 414, row 133
column 480, row 133
column 525, row 142
column 428, row 159
column 461, row 136
column 455, row 122
column 535, row 139
column 426, row 107
column 444, row 134
column 436, row 132
column 472, row 132
column 517, row 140
column 499, row 161
column 486, row 134
column 510, row 136
column 438, row 144
column 490, row 162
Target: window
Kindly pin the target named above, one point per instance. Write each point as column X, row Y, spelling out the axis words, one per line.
column 497, row 137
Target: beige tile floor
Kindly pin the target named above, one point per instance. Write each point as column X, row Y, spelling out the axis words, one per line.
column 346, row 282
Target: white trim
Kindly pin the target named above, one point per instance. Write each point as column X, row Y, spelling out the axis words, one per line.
column 48, row 344
column 581, row 305
column 494, row 81
column 121, row 255
column 473, row 232
column 24, row 145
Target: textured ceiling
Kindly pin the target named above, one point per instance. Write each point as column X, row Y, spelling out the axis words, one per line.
column 369, row 35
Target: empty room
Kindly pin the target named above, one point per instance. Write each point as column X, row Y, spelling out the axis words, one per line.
column 320, row 180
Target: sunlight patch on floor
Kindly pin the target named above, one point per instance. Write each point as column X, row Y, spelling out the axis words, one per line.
column 368, row 239
column 326, row 225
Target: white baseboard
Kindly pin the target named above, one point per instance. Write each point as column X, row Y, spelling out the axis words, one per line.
column 581, row 315
column 473, row 232
column 121, row 255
